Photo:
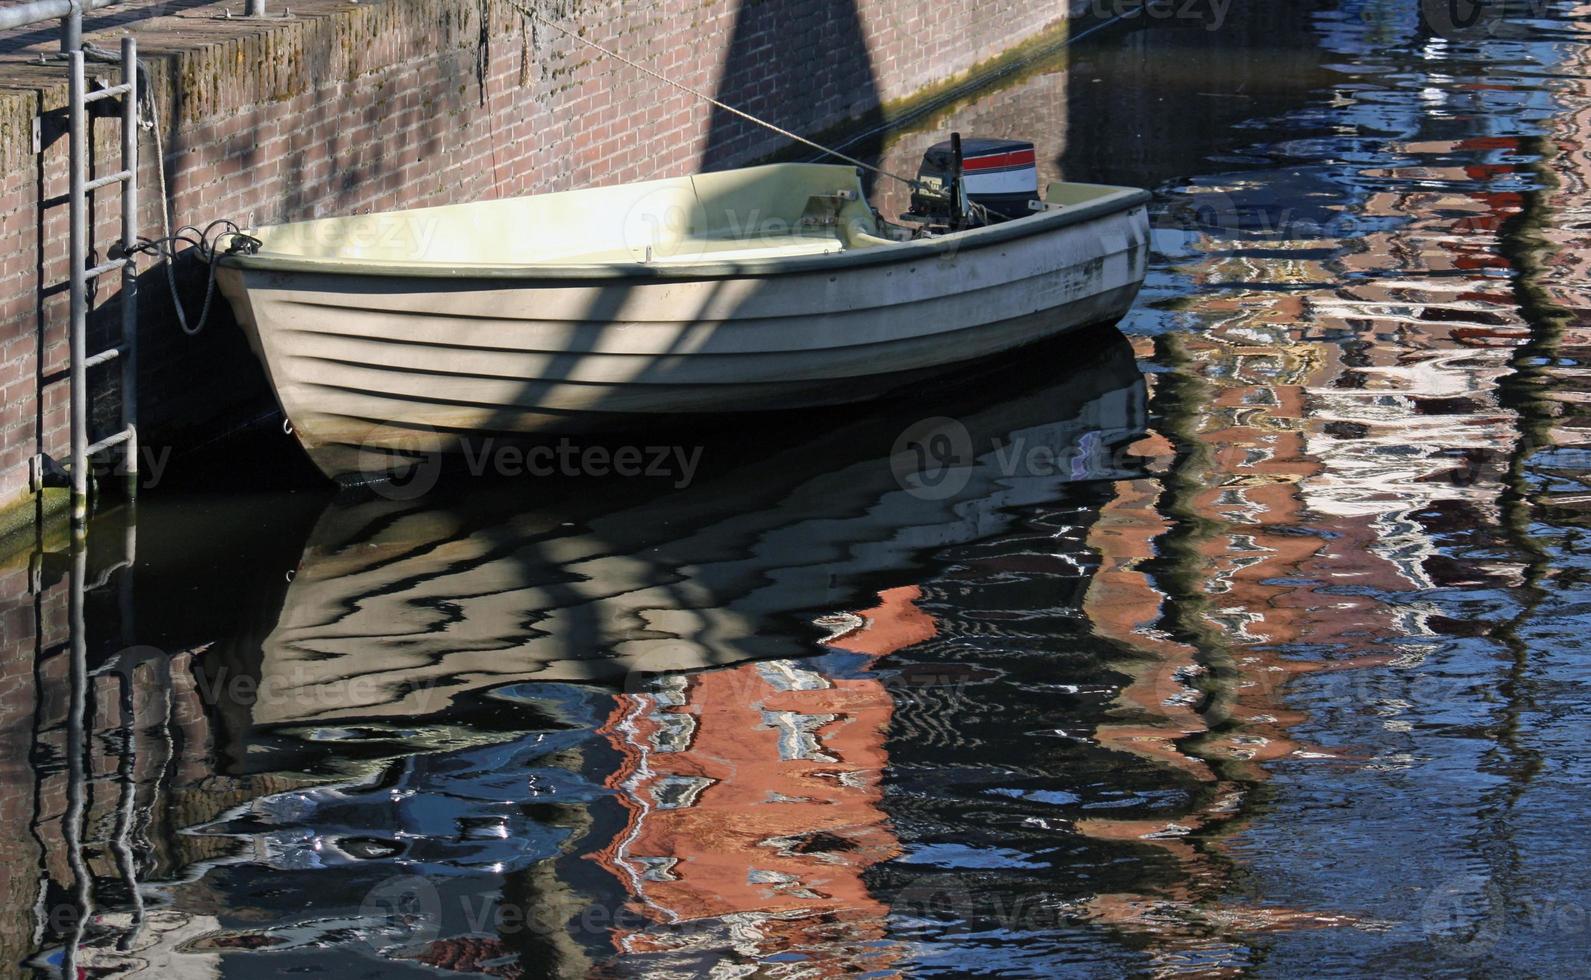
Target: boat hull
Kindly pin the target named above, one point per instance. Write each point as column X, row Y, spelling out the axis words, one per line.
column 369, row 365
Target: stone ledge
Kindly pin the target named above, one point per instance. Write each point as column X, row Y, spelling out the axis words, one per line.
column 19, row 520
column 203, row 67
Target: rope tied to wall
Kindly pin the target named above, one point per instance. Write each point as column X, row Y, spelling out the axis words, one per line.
column 204, row 242
column 166, row 245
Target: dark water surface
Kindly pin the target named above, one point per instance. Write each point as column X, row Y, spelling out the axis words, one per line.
column 1246, row 641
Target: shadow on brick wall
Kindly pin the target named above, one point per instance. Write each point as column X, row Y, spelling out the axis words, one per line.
column 786, row 60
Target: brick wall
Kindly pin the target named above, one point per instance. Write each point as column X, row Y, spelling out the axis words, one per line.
column 405, row 103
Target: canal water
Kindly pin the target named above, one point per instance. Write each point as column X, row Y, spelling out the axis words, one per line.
column 1242, row 639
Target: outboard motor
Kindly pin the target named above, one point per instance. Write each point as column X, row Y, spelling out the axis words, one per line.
column 972, row 182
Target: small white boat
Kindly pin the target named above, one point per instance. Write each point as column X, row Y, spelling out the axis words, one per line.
column 770, row 287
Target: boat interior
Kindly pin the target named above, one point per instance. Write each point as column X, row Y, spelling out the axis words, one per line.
column 771, row 211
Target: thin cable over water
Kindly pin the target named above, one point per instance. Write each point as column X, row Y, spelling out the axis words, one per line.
column 909, row 181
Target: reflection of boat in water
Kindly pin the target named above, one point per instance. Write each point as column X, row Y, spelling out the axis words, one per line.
column 399, row 607
column 771, row 287
column 409, row 630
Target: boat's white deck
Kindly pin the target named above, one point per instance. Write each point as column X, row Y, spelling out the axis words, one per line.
column 769, row 212
column 754, row 218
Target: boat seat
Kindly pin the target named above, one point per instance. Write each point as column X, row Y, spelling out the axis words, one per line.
column 688, row 250
column 761, row 247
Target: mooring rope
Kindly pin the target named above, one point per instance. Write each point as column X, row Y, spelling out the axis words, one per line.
column 908, row 181
column 165, row 246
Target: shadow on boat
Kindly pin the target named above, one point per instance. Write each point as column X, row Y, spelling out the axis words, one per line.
column 402, row 610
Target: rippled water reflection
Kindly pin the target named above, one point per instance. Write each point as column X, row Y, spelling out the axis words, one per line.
column 1248, row 641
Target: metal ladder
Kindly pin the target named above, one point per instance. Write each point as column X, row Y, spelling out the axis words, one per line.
column 80, row 97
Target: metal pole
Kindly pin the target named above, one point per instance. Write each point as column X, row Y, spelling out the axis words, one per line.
column 254, row 8
column 129, row 354
column 72, row 27
column 958, row 214
column 78, row 257
column 15, row 14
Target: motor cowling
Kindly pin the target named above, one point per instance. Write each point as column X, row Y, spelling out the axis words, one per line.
column 1001, row 175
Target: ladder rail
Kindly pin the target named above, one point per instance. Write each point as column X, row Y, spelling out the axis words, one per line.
column 79, row 196
column 128, row 349
column 77, row 249
column 72, row 27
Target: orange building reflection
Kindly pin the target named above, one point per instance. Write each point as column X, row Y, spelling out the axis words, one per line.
column 754, row 802
column 1337, row 415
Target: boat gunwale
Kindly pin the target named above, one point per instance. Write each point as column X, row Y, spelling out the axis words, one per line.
column 1118, row 200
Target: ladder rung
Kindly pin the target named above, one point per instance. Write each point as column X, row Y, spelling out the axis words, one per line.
column 111, row 440
column 104, row 267
column 103, row 357
column 106, row 180
column 94, row 95
column 100, row 583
